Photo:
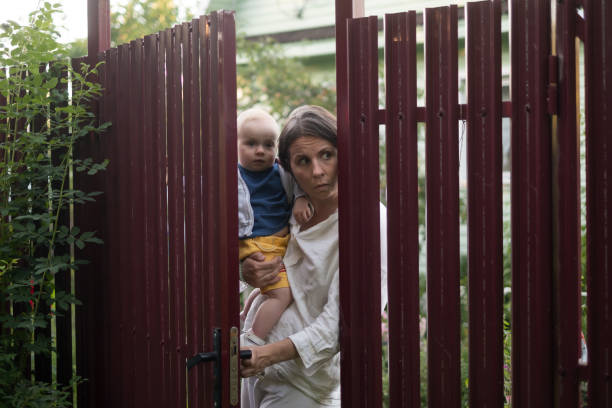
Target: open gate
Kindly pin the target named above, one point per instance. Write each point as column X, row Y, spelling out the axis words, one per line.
column 167, row 278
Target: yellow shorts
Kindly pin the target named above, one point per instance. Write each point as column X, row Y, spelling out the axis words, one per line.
column 271, row 247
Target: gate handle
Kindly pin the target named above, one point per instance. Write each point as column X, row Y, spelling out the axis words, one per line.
column 215, row 357
column 212, row 356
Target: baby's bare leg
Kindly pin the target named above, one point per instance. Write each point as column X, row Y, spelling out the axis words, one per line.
column 271, row 310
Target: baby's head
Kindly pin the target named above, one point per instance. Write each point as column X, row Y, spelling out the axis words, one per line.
column 257, row 137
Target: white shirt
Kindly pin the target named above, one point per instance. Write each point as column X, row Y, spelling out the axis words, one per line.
column 312, row 320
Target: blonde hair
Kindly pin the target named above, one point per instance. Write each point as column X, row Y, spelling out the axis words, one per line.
column 254, row 114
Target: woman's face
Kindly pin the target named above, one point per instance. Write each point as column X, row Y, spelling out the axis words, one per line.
column 314, row 163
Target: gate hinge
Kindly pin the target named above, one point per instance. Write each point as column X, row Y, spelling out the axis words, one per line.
column 552, row 96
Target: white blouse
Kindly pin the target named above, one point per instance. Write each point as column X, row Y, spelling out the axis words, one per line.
column 312, row 320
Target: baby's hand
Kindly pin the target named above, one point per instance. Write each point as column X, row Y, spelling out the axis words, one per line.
column 302, row 210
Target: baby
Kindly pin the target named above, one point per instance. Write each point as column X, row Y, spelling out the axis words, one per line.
column 265, row 195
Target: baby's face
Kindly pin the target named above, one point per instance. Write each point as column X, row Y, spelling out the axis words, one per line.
column 257, row 144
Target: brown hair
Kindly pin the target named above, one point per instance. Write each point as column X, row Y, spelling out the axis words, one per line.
column 307, row 120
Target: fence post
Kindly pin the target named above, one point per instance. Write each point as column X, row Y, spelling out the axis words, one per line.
column 98, row 26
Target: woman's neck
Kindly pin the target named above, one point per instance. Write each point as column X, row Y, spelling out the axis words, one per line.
column 323, row 209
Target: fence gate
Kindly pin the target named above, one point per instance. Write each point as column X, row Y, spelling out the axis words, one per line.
column 167, row 275
column 545, row 195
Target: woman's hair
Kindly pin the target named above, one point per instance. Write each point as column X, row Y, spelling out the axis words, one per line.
column 307, row 120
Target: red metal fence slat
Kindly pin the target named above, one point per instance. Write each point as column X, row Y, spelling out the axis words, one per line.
column 137, row 222
column 358, row 167
column 402, row 209
column 531, row 203
column 193, row 171
column 113, row 375
column 99, row 288
column 598, row 74
column 442, row 164
column 161, row 208
column 126, row 231
column 176, row 211
column 151, row 193
column 208, row 77
column 228, row 198
column 566, row 221
column 484, row 175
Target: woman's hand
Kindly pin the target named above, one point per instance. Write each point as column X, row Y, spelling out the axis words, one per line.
column 265, row 356
column 256, row 364
column 258, row 272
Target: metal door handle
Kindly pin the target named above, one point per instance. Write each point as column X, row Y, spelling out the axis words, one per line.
column 215, row 357
column 212, row 356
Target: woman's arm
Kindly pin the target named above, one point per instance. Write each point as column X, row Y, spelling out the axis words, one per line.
column 258, row 272
column 265, row 356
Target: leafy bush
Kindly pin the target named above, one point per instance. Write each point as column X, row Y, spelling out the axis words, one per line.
column 42, row 117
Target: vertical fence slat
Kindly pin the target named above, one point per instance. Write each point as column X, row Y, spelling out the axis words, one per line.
column 208, row 77
column 83, row 318
column 152, row 191
column 176, row 212
column 442, row 164
column 598, row 74
column 484, row 174
column 99, row 288
column 114, row 374
column 403, row 211
column 213, row 225
column 228, row 184
column 531, row 204
column 199, row 305
column 162, row 236
column 125, row 286
column 359, row 243
column 193, row 203
column 137, row 208
column 566, row 221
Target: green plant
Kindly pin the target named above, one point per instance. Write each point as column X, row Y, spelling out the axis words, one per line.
column 266, row 76
column 45, row 110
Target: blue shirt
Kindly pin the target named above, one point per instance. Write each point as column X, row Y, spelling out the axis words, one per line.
column 271, row 209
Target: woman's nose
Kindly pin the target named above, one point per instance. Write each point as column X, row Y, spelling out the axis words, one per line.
column 317, row 169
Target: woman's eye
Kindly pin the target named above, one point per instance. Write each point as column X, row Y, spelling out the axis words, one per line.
column 327, row 155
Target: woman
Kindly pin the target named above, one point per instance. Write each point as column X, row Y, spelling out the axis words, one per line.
column 302, row 361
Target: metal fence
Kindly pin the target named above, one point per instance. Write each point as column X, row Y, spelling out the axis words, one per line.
column 546, row 271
